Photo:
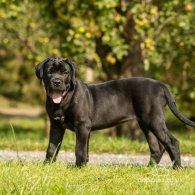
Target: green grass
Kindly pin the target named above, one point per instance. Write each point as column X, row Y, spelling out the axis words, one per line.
column 36, row 178
column 29, row 136
column 59, row 178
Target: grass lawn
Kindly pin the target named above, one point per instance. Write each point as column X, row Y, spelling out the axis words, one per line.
column 58, row 178
column 36, row 178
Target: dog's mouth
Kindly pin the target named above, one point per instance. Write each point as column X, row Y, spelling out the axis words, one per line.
column 57, row 96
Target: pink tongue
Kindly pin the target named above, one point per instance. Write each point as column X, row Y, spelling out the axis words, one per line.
column 56, row 97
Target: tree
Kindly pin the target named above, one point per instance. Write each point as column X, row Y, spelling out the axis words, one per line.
column 25, row 41
column 130, row 38
column 113, row 38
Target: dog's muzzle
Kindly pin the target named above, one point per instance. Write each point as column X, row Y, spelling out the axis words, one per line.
column 57, row 90
column 57, row 83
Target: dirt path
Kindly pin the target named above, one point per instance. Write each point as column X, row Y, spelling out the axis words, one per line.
column 97, row 159
column 21, row 112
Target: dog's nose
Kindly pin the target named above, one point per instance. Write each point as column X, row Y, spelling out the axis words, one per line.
column 57, row 83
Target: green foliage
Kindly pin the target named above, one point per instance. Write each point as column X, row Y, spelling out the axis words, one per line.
column 25, row 41
column 168, row 43
column 114, row 38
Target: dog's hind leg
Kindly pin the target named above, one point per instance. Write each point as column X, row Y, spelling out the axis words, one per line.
column 171, row 144
column 155, row 146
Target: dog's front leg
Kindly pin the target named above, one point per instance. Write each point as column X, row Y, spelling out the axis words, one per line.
column 82, row 141
column 55, row 140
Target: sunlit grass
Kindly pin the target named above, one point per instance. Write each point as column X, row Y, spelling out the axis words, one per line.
column 36, row 178
column 20, row 177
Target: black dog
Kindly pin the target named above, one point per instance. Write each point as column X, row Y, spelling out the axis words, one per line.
column 81, row 107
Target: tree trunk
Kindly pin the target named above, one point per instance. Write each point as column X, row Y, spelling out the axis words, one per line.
column 47, row 125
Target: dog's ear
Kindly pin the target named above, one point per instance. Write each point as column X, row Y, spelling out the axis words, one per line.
column 39, row 69
column 74, row 71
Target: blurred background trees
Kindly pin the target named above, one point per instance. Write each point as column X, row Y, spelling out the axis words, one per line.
column 108, row 39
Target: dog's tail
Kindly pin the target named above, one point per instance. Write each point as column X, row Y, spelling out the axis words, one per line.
column 174, row 109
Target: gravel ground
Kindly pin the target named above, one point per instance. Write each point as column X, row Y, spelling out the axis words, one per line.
column 97, row 159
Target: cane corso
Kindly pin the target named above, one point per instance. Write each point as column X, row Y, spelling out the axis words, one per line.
column 83, row 108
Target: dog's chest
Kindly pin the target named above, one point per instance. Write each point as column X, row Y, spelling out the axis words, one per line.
column 62, row 117
column 58, row 115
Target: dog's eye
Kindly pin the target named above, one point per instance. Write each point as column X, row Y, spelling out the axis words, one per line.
column 64, row 71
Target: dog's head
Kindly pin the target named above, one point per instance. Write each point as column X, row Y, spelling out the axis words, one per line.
column 58, row 76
